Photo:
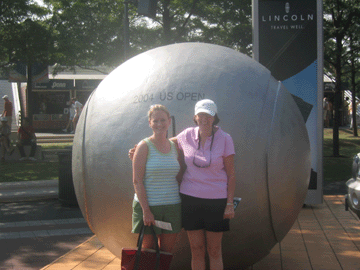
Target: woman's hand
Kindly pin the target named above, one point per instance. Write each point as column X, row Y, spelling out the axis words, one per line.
column 229, row 212
column 148, row 218
column 131, row 152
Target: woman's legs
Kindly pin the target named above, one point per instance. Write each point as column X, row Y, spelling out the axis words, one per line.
column 213, row 241
column 68, row 124
column 148, row 241
column 198, row 249
column 75, row 120
column 200, row 242
column 20, row 145
column 166, row 241
column 4, row 143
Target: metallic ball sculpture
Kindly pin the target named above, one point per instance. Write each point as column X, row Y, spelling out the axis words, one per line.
column 272, row 146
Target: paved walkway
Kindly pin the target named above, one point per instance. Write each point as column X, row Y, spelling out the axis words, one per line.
column 35, row 191
column 35, row 227
column 42, row 228
column 323, row 237
column 29, row 190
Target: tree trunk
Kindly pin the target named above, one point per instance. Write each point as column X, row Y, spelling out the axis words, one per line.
column 353, row 104
column 353, row 86
column 337, row 99
column 167, row 23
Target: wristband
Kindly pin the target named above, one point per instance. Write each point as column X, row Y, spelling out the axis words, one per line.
column 229, row 204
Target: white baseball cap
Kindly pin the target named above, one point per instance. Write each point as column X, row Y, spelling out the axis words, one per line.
column 206, row 106
column 6, row 96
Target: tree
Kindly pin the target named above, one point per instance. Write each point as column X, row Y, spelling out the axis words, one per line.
column 226, row 23
column 340, row 15
column 24, row 36
column 87, row 32
column 14, row 16
column 90, row 32
column 354, row 66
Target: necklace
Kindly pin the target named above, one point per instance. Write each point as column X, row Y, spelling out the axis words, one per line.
column 212, row 141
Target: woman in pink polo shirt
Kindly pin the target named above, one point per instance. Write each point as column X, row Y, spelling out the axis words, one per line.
column 208, row 184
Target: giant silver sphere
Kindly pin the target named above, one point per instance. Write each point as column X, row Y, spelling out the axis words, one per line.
column 271, row 142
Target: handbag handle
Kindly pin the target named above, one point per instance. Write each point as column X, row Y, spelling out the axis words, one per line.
column 138, row 252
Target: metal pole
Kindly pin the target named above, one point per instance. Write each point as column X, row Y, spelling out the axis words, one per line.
column 126, row 29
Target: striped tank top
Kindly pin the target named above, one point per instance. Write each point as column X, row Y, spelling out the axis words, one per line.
column 160, row 181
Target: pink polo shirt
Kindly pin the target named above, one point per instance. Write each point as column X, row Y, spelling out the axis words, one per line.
column 210, row 182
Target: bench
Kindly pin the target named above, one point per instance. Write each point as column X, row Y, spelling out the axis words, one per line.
column 53, row 154
column 16, row 154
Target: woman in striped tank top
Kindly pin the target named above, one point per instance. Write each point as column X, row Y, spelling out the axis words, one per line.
column 155, row 169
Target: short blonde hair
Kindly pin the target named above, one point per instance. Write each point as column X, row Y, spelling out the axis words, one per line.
column 157, row 107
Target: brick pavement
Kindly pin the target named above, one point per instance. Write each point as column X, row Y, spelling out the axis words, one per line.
column 323, row 237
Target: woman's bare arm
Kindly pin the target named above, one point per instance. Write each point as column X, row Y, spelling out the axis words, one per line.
column 139, row 166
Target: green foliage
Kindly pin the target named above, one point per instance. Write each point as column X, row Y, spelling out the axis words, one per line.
column 28, row 171
column 62, row 145
column 87, row 32
column 341, row 21
column 226, row 23
column 30, row 40
column 90, row 33
column 339, row 168
column 23, row 33
column 31, row 171
column 13, row 11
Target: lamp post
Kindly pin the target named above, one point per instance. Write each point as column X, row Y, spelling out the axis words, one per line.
column 146, row 8
column 126, row 28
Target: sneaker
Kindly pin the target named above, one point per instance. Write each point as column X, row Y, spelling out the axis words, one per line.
column 32, row 158
column 23, row 158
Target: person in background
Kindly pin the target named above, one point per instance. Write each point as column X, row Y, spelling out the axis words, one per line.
column 326, row 112
column 43, row 107
column 5, row 132
column 156, row 166
column 8, row 110
column 78, row 108
column 71, row 117
column 346, row 111
column 26, row 136
column 330, row 112
column 350, row 112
